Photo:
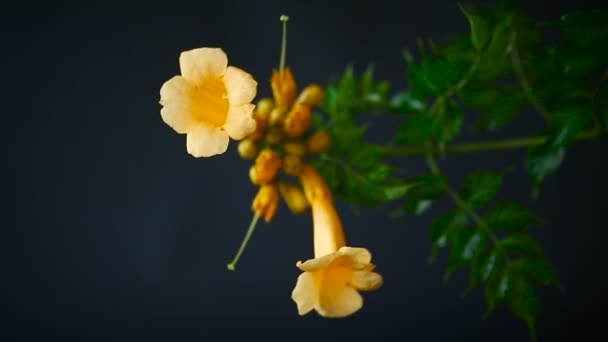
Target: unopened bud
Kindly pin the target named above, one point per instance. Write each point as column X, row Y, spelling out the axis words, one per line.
column 274, row 136
column 277, row 117
column 294, row 197
column 260, row 127
column 283, row 88
column 297, row 121
column 292, row 165
column 318, row 142
column 295, row 148
column 266, row 201
column 312, row 95
column 264, row 107
column 267, row 164
column 253, row 175
column 247, row 149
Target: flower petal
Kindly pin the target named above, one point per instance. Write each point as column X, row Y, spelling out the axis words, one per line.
column 305, row 293
column 240, row 121
column 206, row 141
column 317, row 263
column 175, row 99
column 339, row 301
column 198, row 64
column 366, row 281
column 240, row 86
column 359, row 256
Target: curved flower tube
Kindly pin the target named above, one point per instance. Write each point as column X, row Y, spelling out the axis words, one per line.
column 331, row 281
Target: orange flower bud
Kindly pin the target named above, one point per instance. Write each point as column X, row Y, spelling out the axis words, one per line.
column 292, row 164
column 294, row 197
column 312, row 95
column 264, row 107
column 318, row 142
column 267, row 165
column 266, row 201
column 295, row 148
column 277, row 117
column 297, row 121
column 260, row 127
column 283, row 88
column 247, row 149
column 253, row 175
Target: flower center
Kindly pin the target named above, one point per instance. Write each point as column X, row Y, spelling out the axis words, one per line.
column 210, row 103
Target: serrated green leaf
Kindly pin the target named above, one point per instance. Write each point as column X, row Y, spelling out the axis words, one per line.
column 522, row 243
column 600, row 104
column 510, row 215
column 367, row 80
column 467, row 244
column 406, row 103
column 447, row 122
column 479, row 187
column 417, row 82
column 330, row 103
column 538, row 270
column 347, row 89
column 445, row 224
column 480, row 28
column 483, row 265
column 508, row 105
column 541, row 162
column 586, row 28
column 394, row 189
column 417, row 206
column 379, row 172
column 498, row 287
column 482, row 96
column 429, row 186
column 524, row 302
column 416, row 129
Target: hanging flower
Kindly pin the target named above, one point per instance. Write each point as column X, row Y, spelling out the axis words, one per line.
column 209, row 102
column 331, row 281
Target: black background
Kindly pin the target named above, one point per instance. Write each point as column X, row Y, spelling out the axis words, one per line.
column 113, row 232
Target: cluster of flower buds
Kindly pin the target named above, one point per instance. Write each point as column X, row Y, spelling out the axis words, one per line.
column 281, row 141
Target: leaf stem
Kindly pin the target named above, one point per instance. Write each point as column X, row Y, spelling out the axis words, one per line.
column 489, row 145
column 432, row 163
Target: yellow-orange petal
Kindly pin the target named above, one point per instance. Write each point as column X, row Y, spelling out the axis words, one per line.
column 316, row 264
column 206, row 141
column 360, row 257
column 175, row 99
column 240, row 121
column 366, row 281
column 338, row 301
column 198, row 64
column 305, row 293
column 240, row 86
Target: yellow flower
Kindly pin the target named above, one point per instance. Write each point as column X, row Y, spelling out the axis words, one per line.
column 330, row 282
column 266, row 201
column 209, row 102
column 283, row 88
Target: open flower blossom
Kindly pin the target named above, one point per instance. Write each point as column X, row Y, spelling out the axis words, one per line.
column 331, row 281
column 209, row 102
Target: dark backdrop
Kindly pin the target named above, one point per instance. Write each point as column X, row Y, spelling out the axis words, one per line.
column 113, row 232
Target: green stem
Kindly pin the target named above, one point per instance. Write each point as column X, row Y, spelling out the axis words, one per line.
column 284, row 18
column 490, row 145
column 232, row 265
column 521, row 76
column 432, row 163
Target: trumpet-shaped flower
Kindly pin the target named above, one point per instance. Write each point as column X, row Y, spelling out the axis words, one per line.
column 209, row 102
column 331, row 281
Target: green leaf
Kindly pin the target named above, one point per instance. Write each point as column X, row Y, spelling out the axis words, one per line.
column 347, row 89
column 405, row 103
column 586, row 28
column 443, row 226
column 538, row 270
column 508, row 105
column 510, row 215
column 600, row 104
column 524, row 303
column 428, row 186
column 417, row 206
column 480, row 28
column 498, row 287
column 367, row 80
column 541, row 162
column 394, row 189
column 417, row 129
column 482, row 96
column 379, row 172
column 447, row 122
column 468, row 243
column 483, row 265
column 480, row 187
column 522, row 243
